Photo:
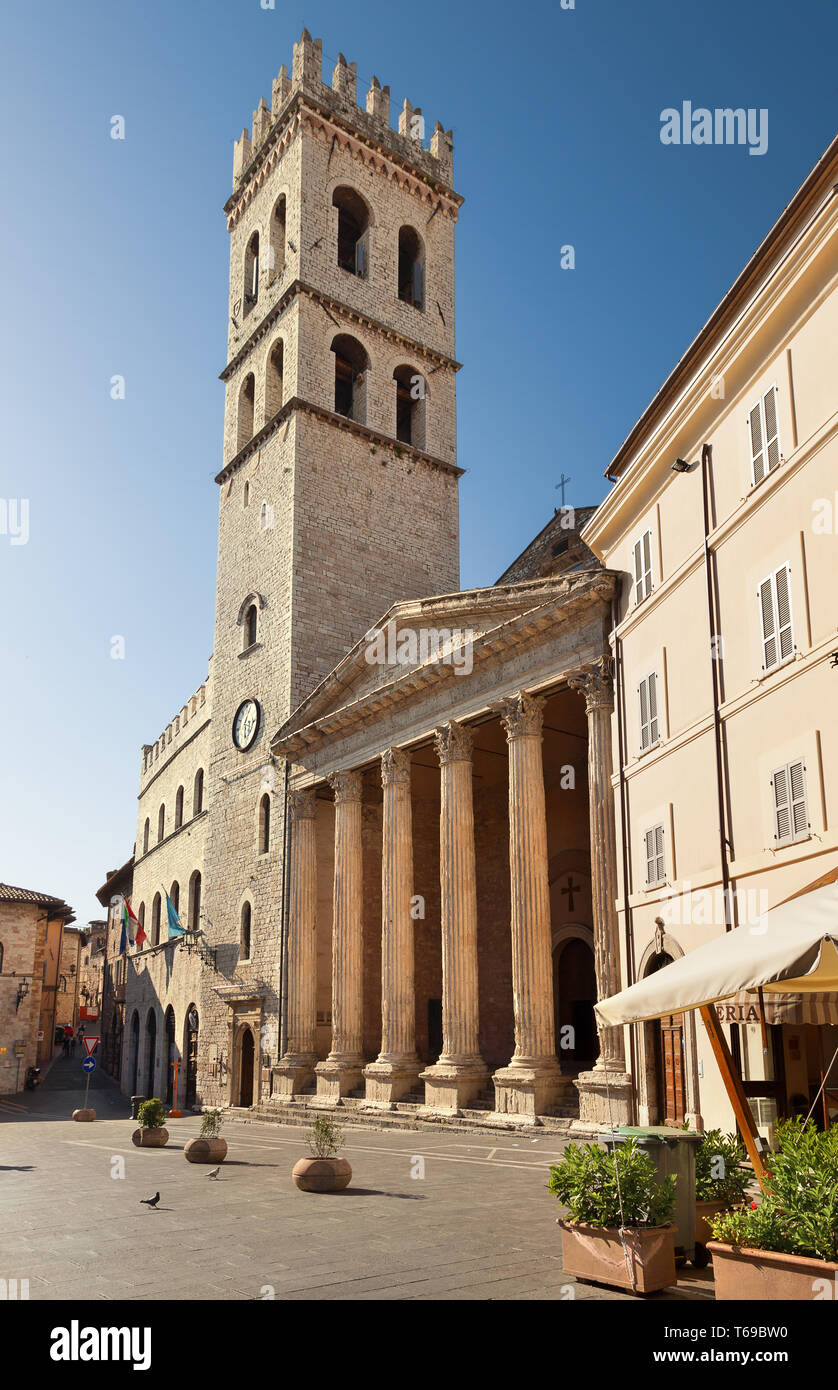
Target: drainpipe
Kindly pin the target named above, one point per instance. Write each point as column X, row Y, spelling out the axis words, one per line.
column 624, row 837
column 724, row 844
column 283, row 947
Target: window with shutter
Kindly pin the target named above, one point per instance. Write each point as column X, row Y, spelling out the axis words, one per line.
column 655, row 866
column 764, row 436
column 649, row 724
column 643, row 567
column 775, row 618
column 791, row 809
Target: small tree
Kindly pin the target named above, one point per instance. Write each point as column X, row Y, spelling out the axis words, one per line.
column 326, row 1138
column 613, row 1188
column 721, row 1169
column 152, row 1114
column 211, row 1122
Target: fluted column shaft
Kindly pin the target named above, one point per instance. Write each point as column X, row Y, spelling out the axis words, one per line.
column 398, row 1007
column 302, row 927
column 458, row 882
column 347, row 922
column 595, row 684
column 532, row 961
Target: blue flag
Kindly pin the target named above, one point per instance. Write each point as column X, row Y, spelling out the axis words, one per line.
column 175, row 929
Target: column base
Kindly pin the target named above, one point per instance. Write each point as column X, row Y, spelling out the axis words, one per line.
column 605, row 1098
column 292, row 1074
column 529, row 1087
column 452, row 1086
column 389, row 1082
column 336, row 1077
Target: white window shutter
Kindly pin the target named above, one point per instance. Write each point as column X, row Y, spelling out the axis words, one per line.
column 755, row 436
column 772, row 429
column 647, row 562
column 650, row 856
column 782, row 809
column 644, row 714
column 660, row 872
column 798, row 806
column 638, row 572
column 782, row 585
column 653, row 707
column 769, row 630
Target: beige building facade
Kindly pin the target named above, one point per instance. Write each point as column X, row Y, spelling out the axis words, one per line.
column 31, row 936
column 723, row 523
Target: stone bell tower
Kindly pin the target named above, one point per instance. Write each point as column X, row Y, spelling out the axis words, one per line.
column 338, row 488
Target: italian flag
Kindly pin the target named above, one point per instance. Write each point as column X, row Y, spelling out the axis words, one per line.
column 131, row 925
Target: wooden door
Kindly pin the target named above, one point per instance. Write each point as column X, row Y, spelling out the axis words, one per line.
column 246, row 1081
column 672, row 1098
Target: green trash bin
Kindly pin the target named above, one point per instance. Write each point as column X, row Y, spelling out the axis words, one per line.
column 672, row 1151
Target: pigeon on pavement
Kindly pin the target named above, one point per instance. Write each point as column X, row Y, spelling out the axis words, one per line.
column 214, row 1173
column 150, row 1201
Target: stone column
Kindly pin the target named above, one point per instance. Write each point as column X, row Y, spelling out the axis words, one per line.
column 532, row 1083
column 342, row 1071
column 460, row 1075
column 605, row 1092
column 294, row 1071
column 395, row 1071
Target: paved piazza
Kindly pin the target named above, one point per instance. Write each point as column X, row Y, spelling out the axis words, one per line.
column 478, row 1225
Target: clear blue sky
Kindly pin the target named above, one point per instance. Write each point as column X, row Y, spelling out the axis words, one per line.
column 115, row 259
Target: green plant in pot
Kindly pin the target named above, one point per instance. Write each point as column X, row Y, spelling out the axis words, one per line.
column 152, row 1133
column 784, row 1244
column 325, row 1170
column 208, row 1147
column 618, row 1229
column 722, row 1178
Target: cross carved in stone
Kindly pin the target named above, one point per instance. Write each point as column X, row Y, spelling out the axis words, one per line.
column 570, row 890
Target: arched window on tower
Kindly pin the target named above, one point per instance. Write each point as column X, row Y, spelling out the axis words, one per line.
column 246, row 496
column 353, row 231
column 161, row 823
column 251, row 273
column 410, row 406
column 155, row 920
column 174, row 894
column 265, row 824
column 251, row 621
column 244, row 953
column 247, row 397
column 179, row 808
column 411, row 268
column 351, row 363
column 195, row 900
column 273, row 380
column 198, row 792
column 146, row 829
column 277, row 254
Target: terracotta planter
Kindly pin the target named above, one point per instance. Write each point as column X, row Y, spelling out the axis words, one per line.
column 84, row 1116
column 205, row 1150
column 322, row 1174
column 749, row 1275
column 704, row 1211
column 596, row 1253
column 150, row 1138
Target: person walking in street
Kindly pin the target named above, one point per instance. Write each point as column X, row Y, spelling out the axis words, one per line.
column 68, row 1038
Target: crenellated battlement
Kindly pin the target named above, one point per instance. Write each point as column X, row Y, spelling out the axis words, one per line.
column 182, row 726
column 433, row 157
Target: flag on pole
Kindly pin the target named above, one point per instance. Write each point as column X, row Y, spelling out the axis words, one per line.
column 175, row 928
column 135, row 927
column 127, row 930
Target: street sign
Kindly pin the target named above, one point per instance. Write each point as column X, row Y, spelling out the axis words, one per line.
column 91, row 1043
column 89, row 1064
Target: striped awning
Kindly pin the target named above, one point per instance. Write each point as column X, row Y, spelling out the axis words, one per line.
column 780, row 1008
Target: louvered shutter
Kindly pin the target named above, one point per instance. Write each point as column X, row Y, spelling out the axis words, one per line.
column 650, row 856
column 769, row 631
column 757, row 452
column 798, row 807
column 782, row 809
column 418, row 288
column 660, row 872
column 653, row 708
column 644, row 714
column 782, row 585
column 638, row 571
column 772, row 431
column 647, row 563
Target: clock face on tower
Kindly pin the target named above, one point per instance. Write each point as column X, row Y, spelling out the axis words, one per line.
column 245, row 724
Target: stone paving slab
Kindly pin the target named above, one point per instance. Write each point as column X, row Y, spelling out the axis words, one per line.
column 478, row 1225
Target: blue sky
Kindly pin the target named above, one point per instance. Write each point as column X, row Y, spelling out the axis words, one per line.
column 116, row 263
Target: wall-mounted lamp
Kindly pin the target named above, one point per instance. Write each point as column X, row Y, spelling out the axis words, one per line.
column 681, row 466
column 22, row 991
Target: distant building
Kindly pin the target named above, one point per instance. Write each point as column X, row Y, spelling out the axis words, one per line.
column 31, row 931
column 117, row 887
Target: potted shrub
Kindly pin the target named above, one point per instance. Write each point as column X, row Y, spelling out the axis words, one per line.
column 324, row 1171
column 619, row 1229
column 209, row 1147
column 722, row 1177
column 151, row 1134
column 786, row 1244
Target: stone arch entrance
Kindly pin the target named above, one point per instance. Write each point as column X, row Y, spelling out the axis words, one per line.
column 171, row 1053
column 151, row 1053
column 246, row 1062
column 667, row 1062
column 574, row 995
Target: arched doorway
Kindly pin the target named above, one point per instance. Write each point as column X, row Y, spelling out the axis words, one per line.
column 246, row 1068
column 668, row 1058
column 135, row 1051
column 191, row 1051
column 170, row 1055
column 574, row 995
column 151, row 1036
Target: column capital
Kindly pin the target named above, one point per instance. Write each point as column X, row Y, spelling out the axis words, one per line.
column 347, row 786
column 395, row 766
column 596, row 682
column 454, row 744
column 302, row 805
column 522, row 715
